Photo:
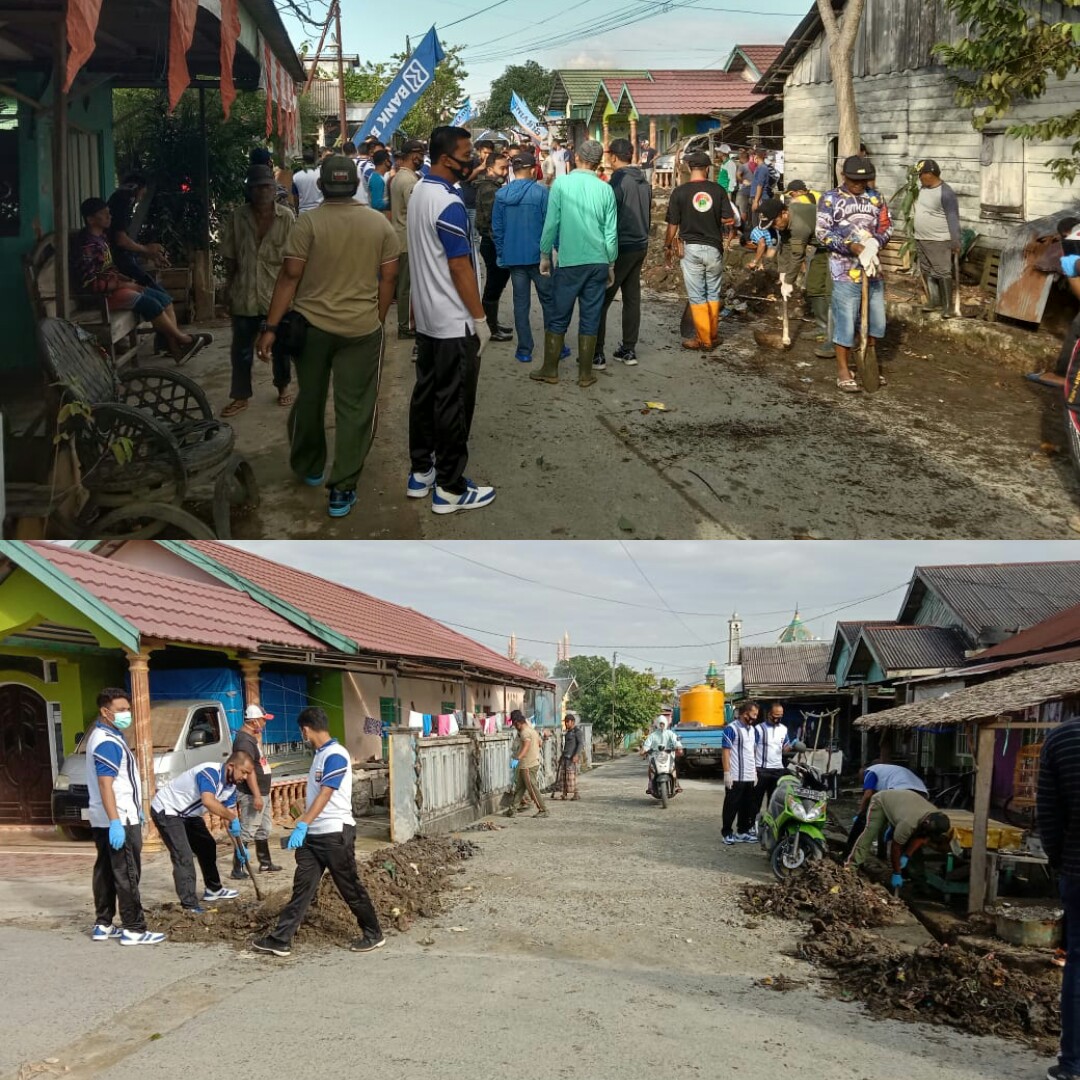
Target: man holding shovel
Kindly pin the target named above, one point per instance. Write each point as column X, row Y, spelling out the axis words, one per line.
column 853, row 222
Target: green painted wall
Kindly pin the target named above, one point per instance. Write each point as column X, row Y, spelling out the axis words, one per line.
column 91, row 111
column 24, row 602
column 329, row 694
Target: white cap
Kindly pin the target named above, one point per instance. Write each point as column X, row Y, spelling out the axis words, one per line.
column 255, row 712
column 723, row 148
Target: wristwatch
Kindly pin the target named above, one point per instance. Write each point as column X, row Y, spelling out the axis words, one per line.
column 265, row 327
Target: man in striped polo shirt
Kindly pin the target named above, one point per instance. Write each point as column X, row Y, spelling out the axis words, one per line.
column 116, row 823
column 178, row 809
column 324, row 838
column 740, row 776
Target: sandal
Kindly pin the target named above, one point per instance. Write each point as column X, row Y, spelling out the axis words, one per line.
column 284, row 400
column 849, row 386
column 237, row 405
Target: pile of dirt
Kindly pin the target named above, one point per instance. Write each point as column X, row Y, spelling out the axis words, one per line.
column 405, row 881
column 829, row 894
column 941, row 984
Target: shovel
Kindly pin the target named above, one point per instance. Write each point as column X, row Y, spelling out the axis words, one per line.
column 247, row 866
column 786, row 340
column 956, row 285
column 869, row 372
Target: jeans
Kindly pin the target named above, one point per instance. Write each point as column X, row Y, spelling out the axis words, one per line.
column 474, row 242
column 116, row 880
column 523, row 278
column 702, row 271
column 1070, row 980
column 739, row 803
column 245, row 329
column 185, row 837
column 254, row 824
column 150, row 303
column 846, row 301
column 356, row 366
column 335, row 852
column 628, row 280
column 584, row 285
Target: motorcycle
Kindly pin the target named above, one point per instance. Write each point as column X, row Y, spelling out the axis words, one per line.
column 662, row 776
column 1072, row 406
column 791, row 828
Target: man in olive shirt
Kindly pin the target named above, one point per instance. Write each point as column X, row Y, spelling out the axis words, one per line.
column 914, row 820
column 253, row 795
column 409, row 161
column 339, row 275
column 526, row 752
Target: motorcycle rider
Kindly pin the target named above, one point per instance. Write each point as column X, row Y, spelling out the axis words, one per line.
column 661, row 738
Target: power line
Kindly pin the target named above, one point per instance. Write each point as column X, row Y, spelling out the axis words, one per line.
column 659, row 595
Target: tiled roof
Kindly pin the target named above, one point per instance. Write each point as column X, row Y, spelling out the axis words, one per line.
column 762, row 56
column 581, row 84
column 914, row 648
column 690, row 93
column 177, row 609
column 802, row 665
column 375, row 625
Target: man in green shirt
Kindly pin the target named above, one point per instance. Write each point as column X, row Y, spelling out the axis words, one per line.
column 581, row 227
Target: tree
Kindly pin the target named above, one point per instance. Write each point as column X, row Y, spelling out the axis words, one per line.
column 840, row 36
column 637, row 696
column 1013, row 53
column 441, row 99
column 367, row 82
column 532, row 83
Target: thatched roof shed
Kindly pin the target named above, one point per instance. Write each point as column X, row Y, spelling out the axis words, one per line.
column 986, row 701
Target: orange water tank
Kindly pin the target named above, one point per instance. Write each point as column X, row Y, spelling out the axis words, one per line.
column 702, row 705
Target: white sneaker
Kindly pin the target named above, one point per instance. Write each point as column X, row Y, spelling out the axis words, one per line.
column 147, row 937
column 101, row 932
column 221, row 894
column 420, row 484
column 474, row 497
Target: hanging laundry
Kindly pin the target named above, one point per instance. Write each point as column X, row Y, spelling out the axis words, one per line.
column 416, row 720
column 428, row 723
column 372, row 726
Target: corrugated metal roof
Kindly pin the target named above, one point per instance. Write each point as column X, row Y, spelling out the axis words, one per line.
column 915, row 648
column 1003, row 597
column 850, row 629
column 177, row 609
column 1056, row 632
column 796, row 666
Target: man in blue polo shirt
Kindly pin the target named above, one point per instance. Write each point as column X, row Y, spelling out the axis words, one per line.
column 116, row 822
column 178, row 809
column 324, row 838
column 451, row 331
column 880, row 777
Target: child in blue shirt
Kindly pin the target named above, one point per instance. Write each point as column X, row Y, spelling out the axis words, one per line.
column 765, row 236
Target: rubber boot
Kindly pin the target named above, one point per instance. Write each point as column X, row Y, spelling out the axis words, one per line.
column 266, row 864
column 946, row 289
column 714, row 323
column 586, row 344
column 498, row 333
column 827, row 350
column 703, row 325
column 238, row 872
column 935, row 295
column 819, row 307
column 553, row 346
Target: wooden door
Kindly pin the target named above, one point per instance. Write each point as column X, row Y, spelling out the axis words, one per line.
column 25, row 764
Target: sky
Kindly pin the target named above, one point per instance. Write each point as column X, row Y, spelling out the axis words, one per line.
column 468, row 585
column 679, row 34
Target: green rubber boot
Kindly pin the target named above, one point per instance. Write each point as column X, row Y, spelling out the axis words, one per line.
column 586, row 352
column 553, row 346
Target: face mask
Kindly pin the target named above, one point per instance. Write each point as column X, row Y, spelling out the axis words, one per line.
column 461, row 169
column 122, row 720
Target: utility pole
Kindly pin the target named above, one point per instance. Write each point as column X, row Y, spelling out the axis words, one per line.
column 614, row 659
column 340, row 74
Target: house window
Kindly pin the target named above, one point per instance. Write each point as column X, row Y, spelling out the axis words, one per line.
column 965, row 742
column 448, row 707
column 9, row 166
column 832, row 152
column 1001, row 178
column 389, row 711
column 674, row 136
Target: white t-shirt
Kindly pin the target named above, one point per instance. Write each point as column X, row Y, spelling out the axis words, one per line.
column 307, row 189
column 183, row 796
column 771, row 739
column 740, row 741
column 107, row 754
column 332, row 768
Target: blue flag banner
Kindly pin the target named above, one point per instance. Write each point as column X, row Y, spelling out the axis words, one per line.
column 464, row 114
column 524, row 116
column 403, row 93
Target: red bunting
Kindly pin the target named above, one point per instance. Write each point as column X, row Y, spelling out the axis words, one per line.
column 182, row 14
column 230, row 31
column 82, row 21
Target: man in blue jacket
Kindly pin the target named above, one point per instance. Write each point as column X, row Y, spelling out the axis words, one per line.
column 517, row 220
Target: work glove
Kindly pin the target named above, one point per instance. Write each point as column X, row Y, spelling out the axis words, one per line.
column 610, row 275
column 242, row 854
column 298, row 835
column 234, row 827
column 786, row 287
column 513, row 763
column 117, row 834
column 545, row 265
column 896, row 881
column 854, row 819
column 728, row 781
column 1070, row 265
column 903, row 862
column 868, row 257
column 483, row 332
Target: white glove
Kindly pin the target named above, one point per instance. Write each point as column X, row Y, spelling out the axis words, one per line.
column 728, row 781
column 545, row 265
column 868, row 255
column 610, row 275
column 483, row 332
column 786, row 288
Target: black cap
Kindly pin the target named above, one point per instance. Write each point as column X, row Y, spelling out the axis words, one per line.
column 797, row 185
column 928, row 165
column 523, row 161
column 859, row 168
column 698, row 159
column 414, row 146
column 259, row 174
column 338, row 175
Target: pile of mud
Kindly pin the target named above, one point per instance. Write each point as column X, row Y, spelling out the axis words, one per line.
column 828, row 894
column 940, row 984
column 405, row 882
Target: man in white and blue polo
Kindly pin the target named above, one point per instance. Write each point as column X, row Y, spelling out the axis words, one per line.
column 178, row 809
column 740, row 775
column 451, row 330
column 116, row 823
column 324, row 838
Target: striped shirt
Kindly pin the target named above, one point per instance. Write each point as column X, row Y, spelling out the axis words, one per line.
column 331, row 768
column 771, row 740
column 1057, row 807
column 740, row 742
column 108, row 754
column 183, row 797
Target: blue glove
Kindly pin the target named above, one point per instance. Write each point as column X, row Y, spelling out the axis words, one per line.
column 854, row 819
column 513, row 763
column 903, row 862
column 242, row 854
column 234, row 827
column 1069, row 265
column 117, row 835
column 298, row 834
column 896, row 880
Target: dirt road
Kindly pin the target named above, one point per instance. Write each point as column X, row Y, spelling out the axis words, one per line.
column 602, row 942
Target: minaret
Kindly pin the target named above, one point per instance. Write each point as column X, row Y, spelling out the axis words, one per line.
column 712, row 676
column 511, row 652
column 562, row 649
column 734, row 628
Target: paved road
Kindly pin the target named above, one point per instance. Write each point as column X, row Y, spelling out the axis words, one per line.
column 603, row 942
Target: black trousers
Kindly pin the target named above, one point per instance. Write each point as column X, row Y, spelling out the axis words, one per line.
column 245, row 329
column 766, row 785
column 739, row 803
column 628, row 279
column 186, row 837
column 497, row 276
column 116, row 880
column 858, row 827
column 335, row 852
column 441, row 411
